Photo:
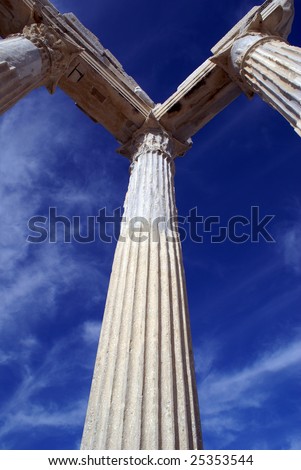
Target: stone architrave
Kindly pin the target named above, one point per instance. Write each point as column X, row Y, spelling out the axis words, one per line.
column 259, row 59
column 144, row 393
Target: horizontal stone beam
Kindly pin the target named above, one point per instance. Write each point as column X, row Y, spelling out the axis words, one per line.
column 101, row 88
column 260, row 60
column 209, row 89
column 96, row 81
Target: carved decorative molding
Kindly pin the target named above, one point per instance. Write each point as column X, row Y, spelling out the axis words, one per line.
column 57, row 51
column 153, row 140
column 154, row 137
column 206, row 92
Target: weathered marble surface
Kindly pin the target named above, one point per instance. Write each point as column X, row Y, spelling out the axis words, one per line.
column 143, row 394
column 271, row 68
column 102, row 89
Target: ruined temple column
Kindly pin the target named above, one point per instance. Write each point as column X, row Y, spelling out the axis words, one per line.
column 143, row 394
column 270, row 67
column 38, row 56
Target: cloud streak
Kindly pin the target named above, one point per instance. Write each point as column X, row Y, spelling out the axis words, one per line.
column 226, row 396
column 291, row 242
column 35, row 279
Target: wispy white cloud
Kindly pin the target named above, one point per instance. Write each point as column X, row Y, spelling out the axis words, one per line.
column 226, row 396
column 63, row 364
column 37, row 416
column 37, row 274
column 228, row 388
column 289, row 236
column 295, row 442
column 90, row 331
column 34, row 278
column 291, row 243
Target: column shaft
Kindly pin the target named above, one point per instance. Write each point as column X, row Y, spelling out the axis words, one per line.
column 143, row 393
column 38, row 56
column 21, row 70
column 271, row 68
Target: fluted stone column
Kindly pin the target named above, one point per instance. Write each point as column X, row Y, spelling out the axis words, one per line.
column 38, row 56
column 270, row 67
column 143, row 394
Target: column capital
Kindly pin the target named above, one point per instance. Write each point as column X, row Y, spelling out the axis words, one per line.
column 245, row 45
column 269, row 66
column 153, row 137
column 241, row 50
column 57, row 51
column 270, row 22
column 233, row 60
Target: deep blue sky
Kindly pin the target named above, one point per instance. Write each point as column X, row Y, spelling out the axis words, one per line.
column 245, row 300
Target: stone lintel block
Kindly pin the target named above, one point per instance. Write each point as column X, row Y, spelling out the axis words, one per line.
column 210, row 88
